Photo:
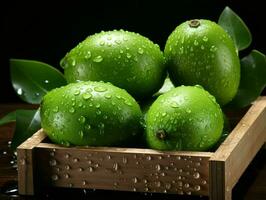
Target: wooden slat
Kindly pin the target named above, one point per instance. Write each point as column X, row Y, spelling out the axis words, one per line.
column 124, row 169
column 238, row 150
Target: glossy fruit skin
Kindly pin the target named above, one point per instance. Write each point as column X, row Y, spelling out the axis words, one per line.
column 185, row 118
column 91, row 113
column 204, row 55
column 126, row 59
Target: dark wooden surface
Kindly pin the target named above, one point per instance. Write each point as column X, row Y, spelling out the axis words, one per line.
column 251, row 186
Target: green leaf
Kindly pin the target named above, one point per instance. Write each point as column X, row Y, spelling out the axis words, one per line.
column 253, row 79
column 10, row 117
column 236, row 28
column 167, row 85
column 27, row 123
column 33, row 79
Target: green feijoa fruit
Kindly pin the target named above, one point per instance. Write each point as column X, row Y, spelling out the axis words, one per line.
column 226, row 131
column 91, row 113
column 185, row 118
column 126, row 59
column 201, row 52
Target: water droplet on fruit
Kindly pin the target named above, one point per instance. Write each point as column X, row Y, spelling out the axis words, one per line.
column 163, row 114
column 20, row 91
column 205, row 39
column 196, row 43
column 86, row 96
column 98, row 59
column 72, row 110
column 100, row 89
column 181, row 50
column 188, row 110
column 88, row 126
column 174, row 105
column 118, row 96
column 108, row 96
column 118, row 42
column 82, row 119
column 88, row 55
column 77, row 92
column 140, row 50
column 56, row 109
column 213, row 48
column 128, row 103
column 129, row 55
column 182, row 40
column 81, row 134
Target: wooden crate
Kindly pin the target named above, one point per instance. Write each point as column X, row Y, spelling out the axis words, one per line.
column 212, row 174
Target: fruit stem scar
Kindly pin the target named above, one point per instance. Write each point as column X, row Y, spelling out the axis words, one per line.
column 161, row 134
column 194, row 23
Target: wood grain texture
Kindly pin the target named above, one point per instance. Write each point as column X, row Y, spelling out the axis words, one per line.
column 234, row 155
column 26, row 163
column 124, row 169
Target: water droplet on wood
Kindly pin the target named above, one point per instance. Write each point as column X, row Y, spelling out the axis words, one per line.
column 54, row 177
column 52, row 162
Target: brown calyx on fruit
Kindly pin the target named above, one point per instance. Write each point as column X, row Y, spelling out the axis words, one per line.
column 161, row 134
column 194, row 23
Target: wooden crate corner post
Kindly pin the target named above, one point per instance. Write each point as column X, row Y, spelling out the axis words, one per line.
column 26, row 164
column 235, row 154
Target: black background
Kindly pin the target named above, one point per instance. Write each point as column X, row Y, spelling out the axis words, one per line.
column 46, row 31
